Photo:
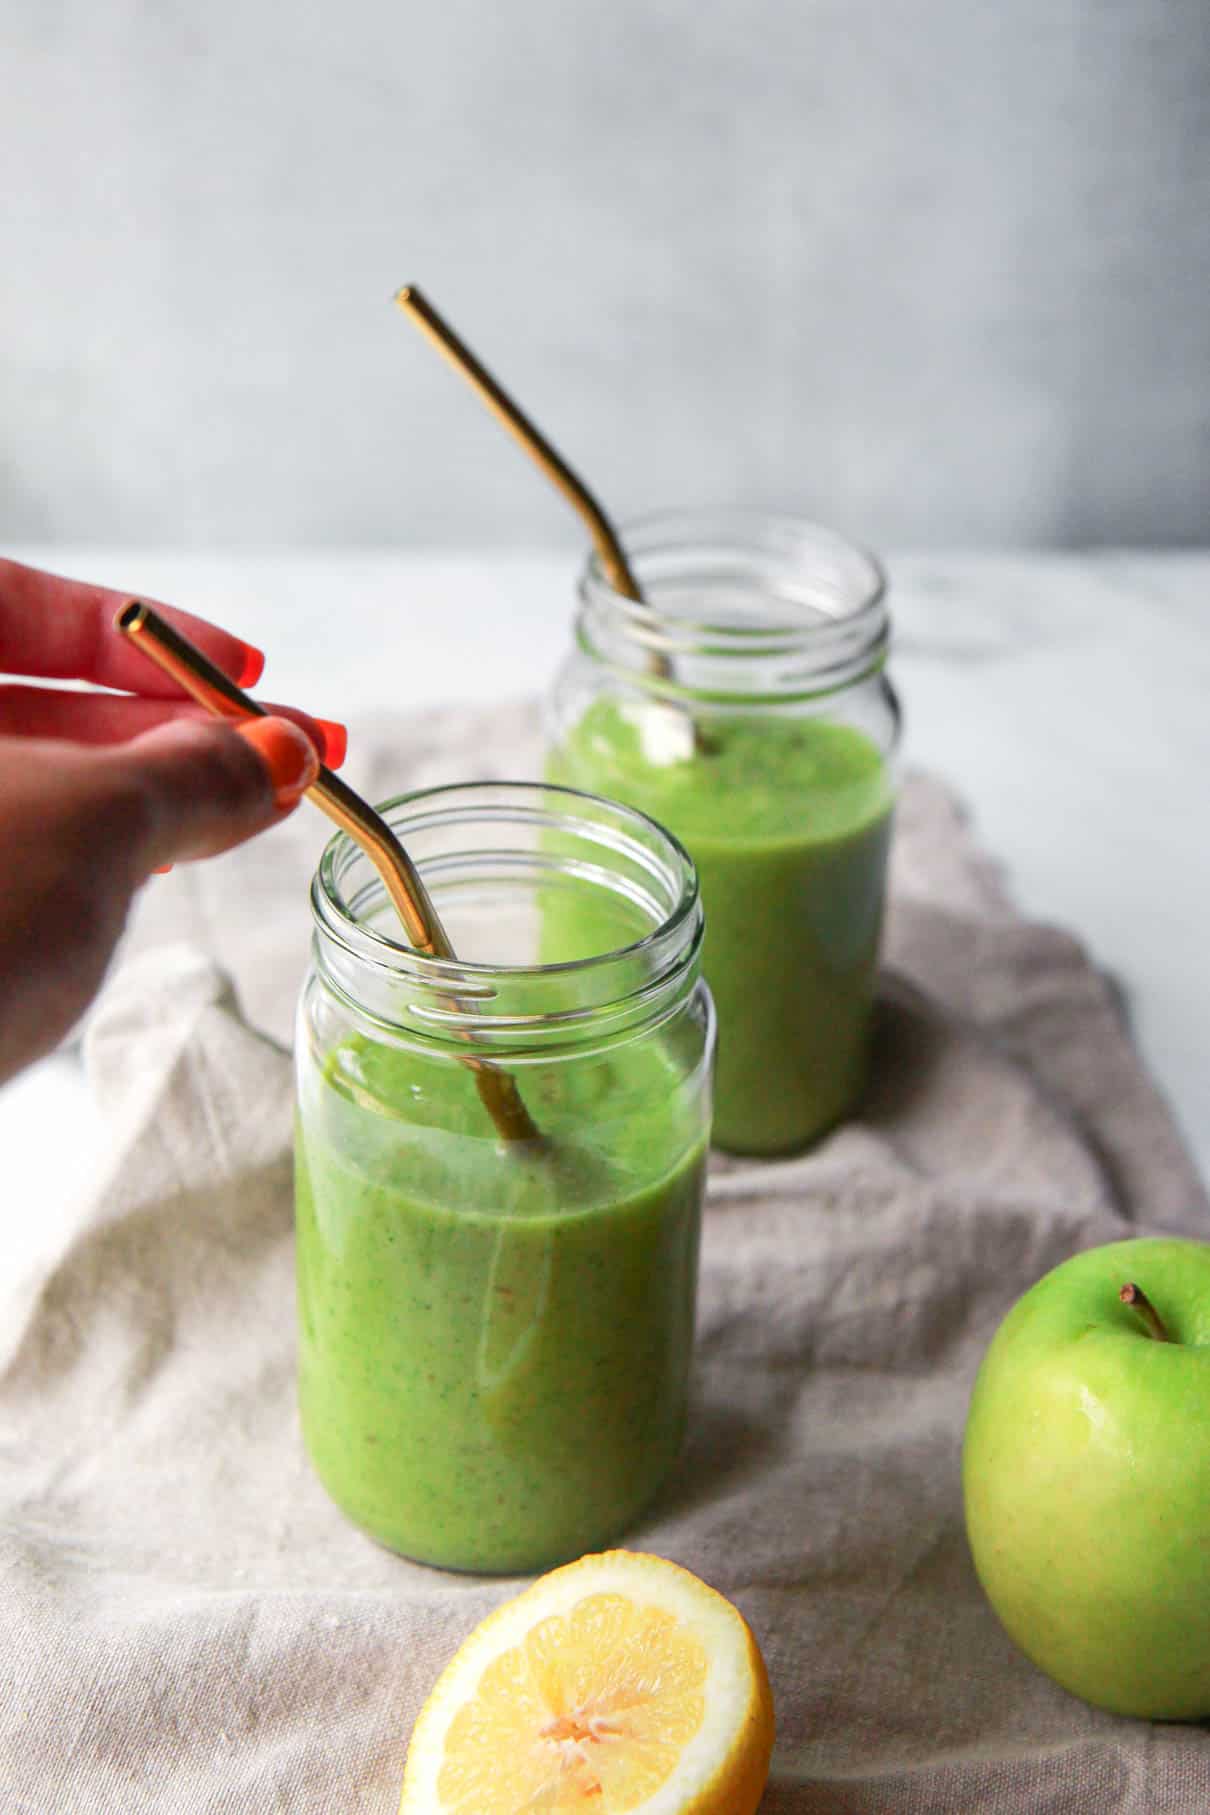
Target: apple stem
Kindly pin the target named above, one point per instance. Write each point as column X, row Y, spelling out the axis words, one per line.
column 1137, row 1299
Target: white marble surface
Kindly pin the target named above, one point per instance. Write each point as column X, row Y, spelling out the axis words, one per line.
column 1067, row 698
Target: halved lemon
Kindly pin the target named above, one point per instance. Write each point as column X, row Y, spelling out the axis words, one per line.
column 618, row 1685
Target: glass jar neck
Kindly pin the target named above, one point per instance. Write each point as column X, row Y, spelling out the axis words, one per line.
column 576, row 921
column 737, row 607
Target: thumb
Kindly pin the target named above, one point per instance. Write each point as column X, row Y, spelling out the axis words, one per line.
column 207, row 786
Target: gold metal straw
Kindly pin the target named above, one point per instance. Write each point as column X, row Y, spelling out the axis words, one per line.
column 209, row 686
column 613, row 558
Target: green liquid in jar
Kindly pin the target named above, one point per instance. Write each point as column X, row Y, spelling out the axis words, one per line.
column 494, row 1349
column 788, row 820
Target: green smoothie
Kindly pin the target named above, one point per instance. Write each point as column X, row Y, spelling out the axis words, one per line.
column 788, row 820
column 494, row 1349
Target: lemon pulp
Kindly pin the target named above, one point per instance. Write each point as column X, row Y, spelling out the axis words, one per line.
column 596, row 1704
column 617, row 1685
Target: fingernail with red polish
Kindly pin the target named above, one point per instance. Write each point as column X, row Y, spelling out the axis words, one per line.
column 288, row 754
column 336, row 741
column 163, row 869
column 253, row 668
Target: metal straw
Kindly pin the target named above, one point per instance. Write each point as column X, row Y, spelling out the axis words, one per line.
column 209, row 686
column 613, row 558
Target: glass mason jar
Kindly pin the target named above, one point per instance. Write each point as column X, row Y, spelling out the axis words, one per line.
column 744, row 704
column 494, row 1335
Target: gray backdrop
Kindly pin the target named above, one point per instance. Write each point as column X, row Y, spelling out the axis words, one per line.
column 934, row 272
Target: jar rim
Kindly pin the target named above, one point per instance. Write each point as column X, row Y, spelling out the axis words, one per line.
column 742, row 524
column 823, row 624
column 334, row 914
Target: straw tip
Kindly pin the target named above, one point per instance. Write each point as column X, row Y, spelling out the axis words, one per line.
column 131, row 616
column 406, row 295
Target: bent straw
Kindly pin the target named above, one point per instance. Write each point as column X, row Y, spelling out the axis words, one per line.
column 613, row 558
column 209, row 686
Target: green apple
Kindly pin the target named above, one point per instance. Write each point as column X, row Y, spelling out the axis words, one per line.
column 1086, row 1475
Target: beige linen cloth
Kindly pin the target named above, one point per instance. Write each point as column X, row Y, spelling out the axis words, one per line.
column 187, row 1625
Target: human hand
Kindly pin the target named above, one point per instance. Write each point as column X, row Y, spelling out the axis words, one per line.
column 98, row 790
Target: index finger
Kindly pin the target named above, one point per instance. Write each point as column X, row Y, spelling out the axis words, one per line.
column 63, row 629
